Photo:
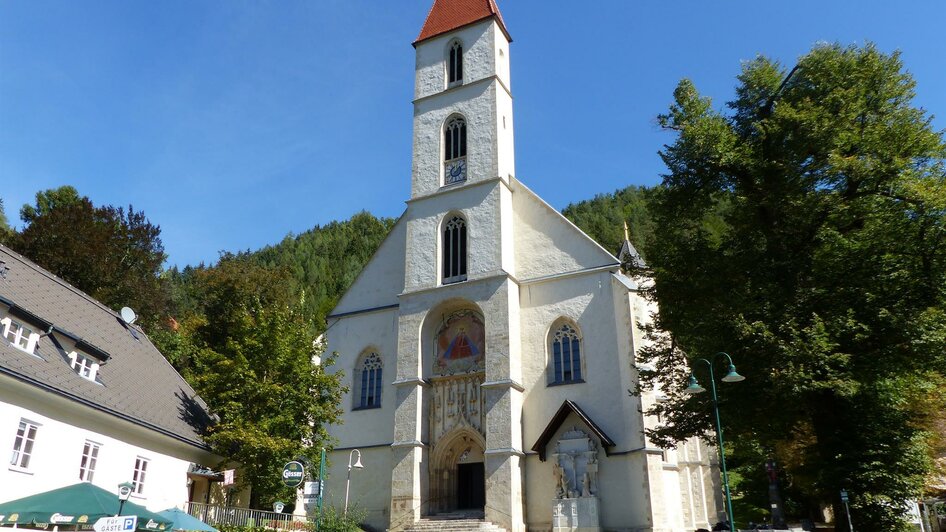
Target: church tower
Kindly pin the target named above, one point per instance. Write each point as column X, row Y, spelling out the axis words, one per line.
column 462, row 96
column 457, row 429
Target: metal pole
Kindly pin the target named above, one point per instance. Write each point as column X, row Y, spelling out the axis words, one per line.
column 348, row 483
column 121, row 505
column 722, row 449
column 847, row 510
column 318, row 523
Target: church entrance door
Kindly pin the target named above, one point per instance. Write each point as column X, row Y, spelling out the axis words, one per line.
column 457, row 474
column 471, row 487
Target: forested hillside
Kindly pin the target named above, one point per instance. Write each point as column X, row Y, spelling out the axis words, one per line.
column 325, row 260
column 603, row 217
column 321, row 263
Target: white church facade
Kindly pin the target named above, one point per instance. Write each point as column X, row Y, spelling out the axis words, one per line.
column 489, row 345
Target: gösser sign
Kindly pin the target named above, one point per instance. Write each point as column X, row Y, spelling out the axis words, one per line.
column 293, row 474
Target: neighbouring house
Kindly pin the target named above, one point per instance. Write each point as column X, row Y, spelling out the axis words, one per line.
column 489, row 345
column 85, row 396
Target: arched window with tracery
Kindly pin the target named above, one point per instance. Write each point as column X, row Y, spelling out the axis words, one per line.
column 455, row 64
column 454, row 150
column 454, row 249
column 565, row 350
column 368, row 381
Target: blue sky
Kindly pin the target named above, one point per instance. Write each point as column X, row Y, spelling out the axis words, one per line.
column 233, row 123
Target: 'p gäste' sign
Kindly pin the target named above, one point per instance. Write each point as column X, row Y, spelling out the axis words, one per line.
column 293, row 474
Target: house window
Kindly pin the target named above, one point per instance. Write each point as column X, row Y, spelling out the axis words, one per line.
column 454, row 151
column 90, row 455
column 454, row 250
column 455, row 64
column 138, row 478
column 368, row 391
column 23, row 445
column 84, row 366
column 566, row 354
column 21, row 337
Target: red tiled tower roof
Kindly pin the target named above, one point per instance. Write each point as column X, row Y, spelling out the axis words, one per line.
column 448, row 15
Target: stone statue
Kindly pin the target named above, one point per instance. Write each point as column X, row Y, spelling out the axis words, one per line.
column 592, row 472
column 558, row 473
column 585, row 482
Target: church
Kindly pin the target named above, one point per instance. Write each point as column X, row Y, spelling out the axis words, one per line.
column 489, row 345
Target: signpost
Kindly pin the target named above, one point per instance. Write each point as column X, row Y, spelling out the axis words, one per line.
column 293, row 474
column 122, row 523
column 279, row 506
column 318, row 523
column 312, row 492
column 847, row 509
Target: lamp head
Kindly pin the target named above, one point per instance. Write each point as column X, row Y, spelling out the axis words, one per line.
column 694, row 387
column 357, row 464
column 732, row 376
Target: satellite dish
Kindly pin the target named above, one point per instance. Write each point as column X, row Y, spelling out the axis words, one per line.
column 128, row 315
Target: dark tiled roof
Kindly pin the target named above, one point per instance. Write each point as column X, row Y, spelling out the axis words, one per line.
column 448, row 15
column 136, row 383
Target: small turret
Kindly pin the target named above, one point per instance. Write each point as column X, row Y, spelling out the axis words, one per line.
column 629, row 257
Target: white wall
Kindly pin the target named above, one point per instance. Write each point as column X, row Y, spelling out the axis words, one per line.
column 65, row 426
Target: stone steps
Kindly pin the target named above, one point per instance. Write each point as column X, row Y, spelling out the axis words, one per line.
column 448, row 524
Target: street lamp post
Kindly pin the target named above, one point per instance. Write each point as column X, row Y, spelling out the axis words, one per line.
column 695, row 388
column 357, row 465
column 124, row 491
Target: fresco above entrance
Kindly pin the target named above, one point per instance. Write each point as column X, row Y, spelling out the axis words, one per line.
column 460, row 344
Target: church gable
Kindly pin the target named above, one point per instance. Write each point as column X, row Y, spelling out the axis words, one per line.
column 382, row 279
column 546, row 243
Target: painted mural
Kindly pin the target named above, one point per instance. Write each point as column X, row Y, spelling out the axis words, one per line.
column 460, row 344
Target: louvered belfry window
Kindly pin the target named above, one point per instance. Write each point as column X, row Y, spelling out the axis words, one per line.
column 455, row 64
column 455, row 139
column 454, row 250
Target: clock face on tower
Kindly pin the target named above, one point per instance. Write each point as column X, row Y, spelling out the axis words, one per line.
column 455, row 171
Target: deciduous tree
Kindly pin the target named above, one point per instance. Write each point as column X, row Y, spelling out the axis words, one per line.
column 248, row 349
column 114, row 255
column 803, row 230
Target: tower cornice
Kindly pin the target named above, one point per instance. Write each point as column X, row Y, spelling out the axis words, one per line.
column 460, row 87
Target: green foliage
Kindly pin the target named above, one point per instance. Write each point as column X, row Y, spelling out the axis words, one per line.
column 248, row 350
column 332, row 520
column 324, row 261
column 112, row 254
column 335, row 521
column 804, row 232
column 49, row 200
column 5, row 231
column 604, row 216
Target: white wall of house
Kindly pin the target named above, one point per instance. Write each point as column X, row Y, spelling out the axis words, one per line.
column 63, row 428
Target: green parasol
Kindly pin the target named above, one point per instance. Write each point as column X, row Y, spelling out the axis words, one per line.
column 79, row 505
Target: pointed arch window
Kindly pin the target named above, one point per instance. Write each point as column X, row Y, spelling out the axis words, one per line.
column 455, row 64
column 368, row 382
column 454, row 150
column 565, row 349
column 454, row 250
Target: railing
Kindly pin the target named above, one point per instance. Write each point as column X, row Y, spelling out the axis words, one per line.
column 228, row 515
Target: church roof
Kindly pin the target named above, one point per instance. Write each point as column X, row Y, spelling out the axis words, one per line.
column 570, row 407
column 448, row 15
